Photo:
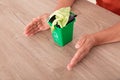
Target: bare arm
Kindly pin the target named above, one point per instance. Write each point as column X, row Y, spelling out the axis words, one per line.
column 64, row 3
column 109, row 35
column 87, row 42
column 40, row 23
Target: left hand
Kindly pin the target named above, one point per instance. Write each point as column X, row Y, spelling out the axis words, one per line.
column 84, row 45
column 38, row 24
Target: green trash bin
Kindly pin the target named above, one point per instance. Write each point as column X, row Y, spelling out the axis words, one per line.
column 62, row 36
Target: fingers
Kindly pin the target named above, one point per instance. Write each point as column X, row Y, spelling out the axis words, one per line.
column 83, row 45
column 80, row 42
column 79, row 55
column 33, row 31
column 30, row 25
column 31, row 28
column 38, row 24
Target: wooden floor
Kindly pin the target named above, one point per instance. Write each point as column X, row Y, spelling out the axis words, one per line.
column 39, row 58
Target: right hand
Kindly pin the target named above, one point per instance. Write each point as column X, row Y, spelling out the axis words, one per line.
column 38, row 24
column 83, row 46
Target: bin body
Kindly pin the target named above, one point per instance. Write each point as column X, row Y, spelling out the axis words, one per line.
column 62, row 36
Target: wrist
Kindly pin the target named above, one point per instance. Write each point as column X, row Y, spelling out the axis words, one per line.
column 94, row 39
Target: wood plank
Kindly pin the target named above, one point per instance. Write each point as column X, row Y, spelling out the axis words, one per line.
column 38, row 58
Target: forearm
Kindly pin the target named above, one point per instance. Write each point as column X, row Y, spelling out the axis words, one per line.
column 109, row 35
column 64, row 3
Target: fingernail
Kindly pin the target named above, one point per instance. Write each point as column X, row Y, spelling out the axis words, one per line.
column 25, row 34
column 69, row 68
column 77, row 46
column 41, row 28
column 31, row 34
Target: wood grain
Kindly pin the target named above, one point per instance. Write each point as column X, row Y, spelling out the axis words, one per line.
column 39, row 58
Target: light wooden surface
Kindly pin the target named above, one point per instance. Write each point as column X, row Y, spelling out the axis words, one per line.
column 38, row 58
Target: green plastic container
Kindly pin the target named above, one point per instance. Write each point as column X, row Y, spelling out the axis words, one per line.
column 62, row 36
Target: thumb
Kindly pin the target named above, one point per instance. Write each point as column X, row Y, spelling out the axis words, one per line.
column 72, row 63
column 69, row 66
